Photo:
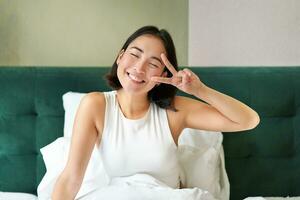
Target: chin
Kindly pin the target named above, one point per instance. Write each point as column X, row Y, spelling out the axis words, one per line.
column 136, row 90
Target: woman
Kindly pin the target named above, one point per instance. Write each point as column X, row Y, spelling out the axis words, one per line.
column 137, row 126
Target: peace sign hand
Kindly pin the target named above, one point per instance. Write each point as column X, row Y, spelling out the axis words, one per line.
column 185, row 80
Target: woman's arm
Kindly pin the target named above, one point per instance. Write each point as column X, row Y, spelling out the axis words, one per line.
column 237, row 112
column 222, row 113
column 83, row 141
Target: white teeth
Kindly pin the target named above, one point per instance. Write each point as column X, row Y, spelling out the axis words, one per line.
column 135, row 78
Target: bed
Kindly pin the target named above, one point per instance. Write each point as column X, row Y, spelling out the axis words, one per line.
column 263, row 162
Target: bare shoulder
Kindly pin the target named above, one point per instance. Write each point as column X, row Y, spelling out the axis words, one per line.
column 185, row 106
column 176, row 118
column 94, row 102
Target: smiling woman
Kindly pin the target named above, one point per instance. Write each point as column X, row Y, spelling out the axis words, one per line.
column 136, row 127
column 146, row 45
column 139, row 63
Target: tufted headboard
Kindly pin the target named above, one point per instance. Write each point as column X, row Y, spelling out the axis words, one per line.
column 264, row 161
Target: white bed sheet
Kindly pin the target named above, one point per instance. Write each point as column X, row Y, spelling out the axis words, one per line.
column 144, row 186
column 17, row 196
column 26, row 196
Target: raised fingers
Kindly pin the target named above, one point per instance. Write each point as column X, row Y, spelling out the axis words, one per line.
column 161, row 79
column 168, row 64
column 184, row 77
column 187, row 71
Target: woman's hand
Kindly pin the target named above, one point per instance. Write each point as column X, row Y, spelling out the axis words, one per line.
column 185, row 80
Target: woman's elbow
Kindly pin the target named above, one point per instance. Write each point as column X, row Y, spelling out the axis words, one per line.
column 253, row 121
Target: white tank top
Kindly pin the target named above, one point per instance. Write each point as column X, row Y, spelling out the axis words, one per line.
column 142, row 145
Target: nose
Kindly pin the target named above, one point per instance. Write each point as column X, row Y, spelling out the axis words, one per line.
column 140, row 67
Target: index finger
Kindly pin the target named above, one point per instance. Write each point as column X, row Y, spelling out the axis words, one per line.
column 161, row 79
column 168, row 64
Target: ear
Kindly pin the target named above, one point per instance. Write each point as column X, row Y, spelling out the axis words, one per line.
column 120, row 56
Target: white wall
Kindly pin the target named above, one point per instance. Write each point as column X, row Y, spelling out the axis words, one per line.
column 244, row 33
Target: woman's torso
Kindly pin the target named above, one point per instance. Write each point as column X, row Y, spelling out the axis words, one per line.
column 145, row 145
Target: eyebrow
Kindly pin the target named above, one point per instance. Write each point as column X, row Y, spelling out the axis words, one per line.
column 153, row 57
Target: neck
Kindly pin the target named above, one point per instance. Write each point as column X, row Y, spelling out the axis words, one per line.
column 133, row 106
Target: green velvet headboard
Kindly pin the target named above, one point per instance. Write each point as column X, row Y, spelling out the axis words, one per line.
column 264, row 161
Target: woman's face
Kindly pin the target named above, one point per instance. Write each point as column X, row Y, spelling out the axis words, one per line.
column 139, row 63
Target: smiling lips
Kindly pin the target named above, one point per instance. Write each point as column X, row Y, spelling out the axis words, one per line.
column 135, row 78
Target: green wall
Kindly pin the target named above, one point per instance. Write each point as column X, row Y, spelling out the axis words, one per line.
column 83, row 33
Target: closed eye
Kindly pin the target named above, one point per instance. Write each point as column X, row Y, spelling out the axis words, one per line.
column 134, row 55
column 154, row 65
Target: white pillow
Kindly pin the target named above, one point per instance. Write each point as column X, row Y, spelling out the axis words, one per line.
column 71, row 101
column 201, row 157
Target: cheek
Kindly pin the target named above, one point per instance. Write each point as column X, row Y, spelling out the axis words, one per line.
column 156, row 72
column 127, row 61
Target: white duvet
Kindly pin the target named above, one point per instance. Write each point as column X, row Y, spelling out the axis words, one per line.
column 143, row 186
column 160, row 194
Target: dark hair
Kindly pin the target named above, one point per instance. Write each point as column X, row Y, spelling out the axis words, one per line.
column 163, row 94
